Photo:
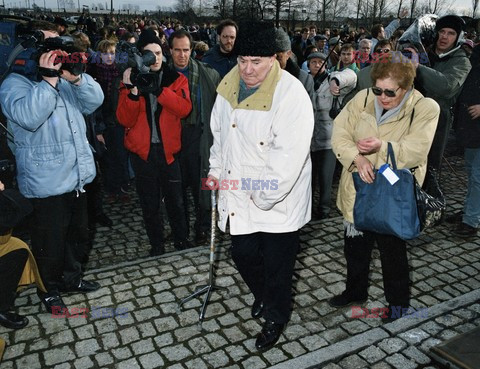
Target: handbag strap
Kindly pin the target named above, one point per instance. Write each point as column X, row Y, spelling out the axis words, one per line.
column 391, row 156
column 390, row 153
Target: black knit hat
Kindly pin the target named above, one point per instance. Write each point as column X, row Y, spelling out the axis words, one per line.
column 14, row 207
column 255, row 38
column 450, row 21
column 148, row 36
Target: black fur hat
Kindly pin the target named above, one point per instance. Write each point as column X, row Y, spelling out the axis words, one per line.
column 450, row 21
column 255, row 38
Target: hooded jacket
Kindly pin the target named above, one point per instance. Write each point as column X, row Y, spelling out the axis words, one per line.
column 173, row 104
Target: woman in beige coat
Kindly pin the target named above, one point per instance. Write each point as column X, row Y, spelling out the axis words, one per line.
column 391, row 111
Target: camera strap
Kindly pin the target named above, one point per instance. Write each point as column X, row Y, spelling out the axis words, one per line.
column 47, row 72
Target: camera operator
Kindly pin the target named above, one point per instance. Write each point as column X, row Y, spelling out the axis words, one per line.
column 54, row 163
column 151, row 114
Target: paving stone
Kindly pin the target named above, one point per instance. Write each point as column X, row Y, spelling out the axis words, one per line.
column 431, row 327
column 85, row 332
column 234, row 334
column 294, row 348
column 143, row 346
column 216, row 359
column 215, row 340
column 128, row 364
column 392, row 345
column 175, row 353
column 254, row 362
column 84, row 363
column 415, row 354
column 372, row 354
column 28, row 361
column 332, row 366
column 414, row 336
column 353, row 362
column 237, row 353
column 150, row 361
column 334, row 335
column 129, row 335
column 61, row 338
column 381, row 366
column 104, row 359
column 274, row 356
column 197, row 364
column 86, row 347
column 121, row 353
column 55, row 356
column 400, row 362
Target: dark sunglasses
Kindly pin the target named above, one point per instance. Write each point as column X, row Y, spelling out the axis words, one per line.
column 377, row 91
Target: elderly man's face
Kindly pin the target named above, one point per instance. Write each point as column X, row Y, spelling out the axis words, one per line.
column 316, row 65
column 283, row 57
column 254, row 69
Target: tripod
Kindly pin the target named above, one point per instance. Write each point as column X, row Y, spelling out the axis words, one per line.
column 210, row 286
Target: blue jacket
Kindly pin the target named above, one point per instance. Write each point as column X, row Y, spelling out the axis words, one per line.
column 221, row 62
column 52, row 153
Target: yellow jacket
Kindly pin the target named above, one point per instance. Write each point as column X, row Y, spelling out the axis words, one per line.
column 411, row 142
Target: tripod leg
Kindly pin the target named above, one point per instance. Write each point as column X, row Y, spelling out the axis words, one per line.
column 193, row 295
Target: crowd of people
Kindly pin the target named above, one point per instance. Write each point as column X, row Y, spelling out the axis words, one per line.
column 237, row 103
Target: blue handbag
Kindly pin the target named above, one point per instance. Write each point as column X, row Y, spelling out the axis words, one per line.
column 385, row 208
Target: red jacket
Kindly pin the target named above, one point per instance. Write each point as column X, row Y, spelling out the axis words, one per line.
column 176, row 104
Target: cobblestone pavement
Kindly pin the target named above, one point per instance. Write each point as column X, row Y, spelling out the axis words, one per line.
column 149, row 331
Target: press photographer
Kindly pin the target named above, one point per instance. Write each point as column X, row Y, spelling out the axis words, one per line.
column 150, row 107
column 54, row 161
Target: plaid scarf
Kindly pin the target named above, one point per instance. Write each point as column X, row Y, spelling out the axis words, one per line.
column 106, row 74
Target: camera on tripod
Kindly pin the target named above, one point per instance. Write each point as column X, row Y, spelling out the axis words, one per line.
column 140, row 63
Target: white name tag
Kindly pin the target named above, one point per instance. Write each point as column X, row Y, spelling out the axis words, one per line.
column 388, row 173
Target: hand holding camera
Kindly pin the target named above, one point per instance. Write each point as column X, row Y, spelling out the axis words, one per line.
column 128, row 82
column 47, row 61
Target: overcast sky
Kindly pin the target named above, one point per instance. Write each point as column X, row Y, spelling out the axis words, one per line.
column 152, row 4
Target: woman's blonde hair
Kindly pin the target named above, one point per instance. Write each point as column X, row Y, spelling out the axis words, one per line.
column 395, row 66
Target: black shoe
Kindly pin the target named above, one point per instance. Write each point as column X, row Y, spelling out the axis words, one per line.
column 53, row 302
column 201, row 238
column 183, row 245
column 257, row 309
column 83, row 286
column 345, row 300
column 269, row 335
column 465, row 230
column 157, row 251
column 103, row 220
column 12, row 320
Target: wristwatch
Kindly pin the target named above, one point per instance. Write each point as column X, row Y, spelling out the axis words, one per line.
column 79, row 78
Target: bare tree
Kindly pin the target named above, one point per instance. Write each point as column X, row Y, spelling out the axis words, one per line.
column 474, row 8
column 183, row 6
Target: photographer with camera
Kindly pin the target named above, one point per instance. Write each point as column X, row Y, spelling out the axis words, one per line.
column 54, row 162
column 150, row 107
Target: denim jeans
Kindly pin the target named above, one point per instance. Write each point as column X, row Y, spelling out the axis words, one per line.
column 471, row 209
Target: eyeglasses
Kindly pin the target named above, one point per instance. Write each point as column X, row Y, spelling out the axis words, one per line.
column 383, row 51
column 377, row 91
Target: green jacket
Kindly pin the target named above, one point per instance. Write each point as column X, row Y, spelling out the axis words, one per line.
column 444, row 80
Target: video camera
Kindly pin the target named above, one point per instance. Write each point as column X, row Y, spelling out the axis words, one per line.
column 140, row 63
column 72, row 62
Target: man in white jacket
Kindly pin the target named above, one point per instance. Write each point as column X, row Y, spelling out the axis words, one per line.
column 262, row 124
